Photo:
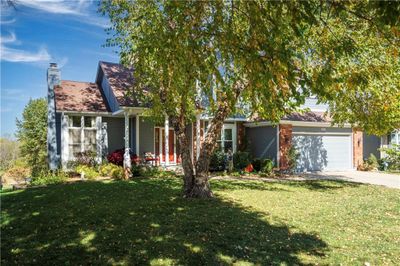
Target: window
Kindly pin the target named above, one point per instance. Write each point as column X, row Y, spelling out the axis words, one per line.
column 226, row 141
column 394, row 138
column 81, row 139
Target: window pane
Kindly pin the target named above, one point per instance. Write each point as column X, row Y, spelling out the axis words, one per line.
column 74, row 149
column 90, row 136
column 89, row 121
column 75, row 121
column 228, row 146
column 74, row 136
column 228, row 134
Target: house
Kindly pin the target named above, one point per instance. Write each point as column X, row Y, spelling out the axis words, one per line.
column 99, row 116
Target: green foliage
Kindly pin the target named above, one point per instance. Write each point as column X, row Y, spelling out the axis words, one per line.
column 87, row 171
column 268, row 167
column 345, row 53
column 257, row 164
column 49, row 178
column 372, row 161
column 32, row 135
column 241, row 160
column 9, row 152
column 392, row 157
column 136, row 170
column 293, row 155
column 111, row 170
column 217, row 161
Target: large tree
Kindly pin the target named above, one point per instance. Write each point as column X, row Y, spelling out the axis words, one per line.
column 266, row 56
column 32, row 135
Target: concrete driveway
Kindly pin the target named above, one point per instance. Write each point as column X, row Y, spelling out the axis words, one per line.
column 375, row 178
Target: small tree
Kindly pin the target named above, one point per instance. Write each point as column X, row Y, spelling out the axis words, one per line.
column 9, row 152
column 32, row 135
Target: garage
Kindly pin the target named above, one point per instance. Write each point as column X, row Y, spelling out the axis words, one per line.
column 322, row 149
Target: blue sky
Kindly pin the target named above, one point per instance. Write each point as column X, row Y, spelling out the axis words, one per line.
column 70, row 33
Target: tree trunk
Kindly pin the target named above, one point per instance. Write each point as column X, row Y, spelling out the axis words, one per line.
column 184, row 145
column 201, row 187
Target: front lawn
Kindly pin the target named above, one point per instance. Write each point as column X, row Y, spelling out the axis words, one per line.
column 147, row 222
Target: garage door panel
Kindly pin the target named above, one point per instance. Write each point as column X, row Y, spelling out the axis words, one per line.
column 323, row 152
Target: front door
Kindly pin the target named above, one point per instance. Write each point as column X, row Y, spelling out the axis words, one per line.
column 159, row 143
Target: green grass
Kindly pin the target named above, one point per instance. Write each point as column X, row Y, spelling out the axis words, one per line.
column 147, row 222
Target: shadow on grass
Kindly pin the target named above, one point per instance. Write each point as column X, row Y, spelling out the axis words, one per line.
column 140, row 222
column 232, row 183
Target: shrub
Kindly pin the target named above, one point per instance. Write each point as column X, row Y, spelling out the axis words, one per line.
column 268, row 167
column 111, row 170
column 118, row 173
column 373, row 161
column 217, row 161
column 241, row 160
column 293, row 155
column 257, row 164
column 18, row 172
column 370, row 164
column 117, row 157
column 392, row 158
column 136, row 170
column 87, row 171
column 86, row 158
column 49, row 178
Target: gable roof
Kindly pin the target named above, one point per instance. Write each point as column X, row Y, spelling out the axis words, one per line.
column 122, row 83
column 308, row 117
column 79, row 97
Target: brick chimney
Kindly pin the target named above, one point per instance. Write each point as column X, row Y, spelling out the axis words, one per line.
column 53, row 79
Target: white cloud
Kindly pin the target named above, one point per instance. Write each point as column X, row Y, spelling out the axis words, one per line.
column 54, row 6
column 79, row 10
column 10, row 21
column 10, row 54
column 17, row 55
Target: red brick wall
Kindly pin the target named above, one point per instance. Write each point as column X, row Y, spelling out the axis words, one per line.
column 241, row 138
column 357, row 147
column 285, row 142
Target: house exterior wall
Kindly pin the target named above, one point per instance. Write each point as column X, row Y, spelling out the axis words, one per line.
column 332, row 130
column 146, row 136
column 357, row 147
column 285, row 142
column 262, row 142
column 241, row 136
column 371, row 144
column 58, row 133
column 115, row 133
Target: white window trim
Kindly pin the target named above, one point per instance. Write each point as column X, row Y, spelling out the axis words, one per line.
column 234, row 136
column 82, row 129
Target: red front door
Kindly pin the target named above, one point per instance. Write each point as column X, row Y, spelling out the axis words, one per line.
column 160, row 144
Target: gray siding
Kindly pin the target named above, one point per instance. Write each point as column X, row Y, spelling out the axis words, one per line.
column 262, row 142
column 58, row 133
column 115, row 132
column 371, row 144
column 112, row 101
column 322, row 129
column 146, row 136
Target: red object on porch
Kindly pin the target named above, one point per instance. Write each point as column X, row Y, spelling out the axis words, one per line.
column 249, row 168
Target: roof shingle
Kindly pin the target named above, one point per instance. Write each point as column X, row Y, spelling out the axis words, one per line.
column 79, row 97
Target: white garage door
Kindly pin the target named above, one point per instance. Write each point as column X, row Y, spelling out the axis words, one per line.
column 323, row 152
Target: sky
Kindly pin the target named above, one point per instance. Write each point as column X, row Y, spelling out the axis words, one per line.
column 36, row 32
